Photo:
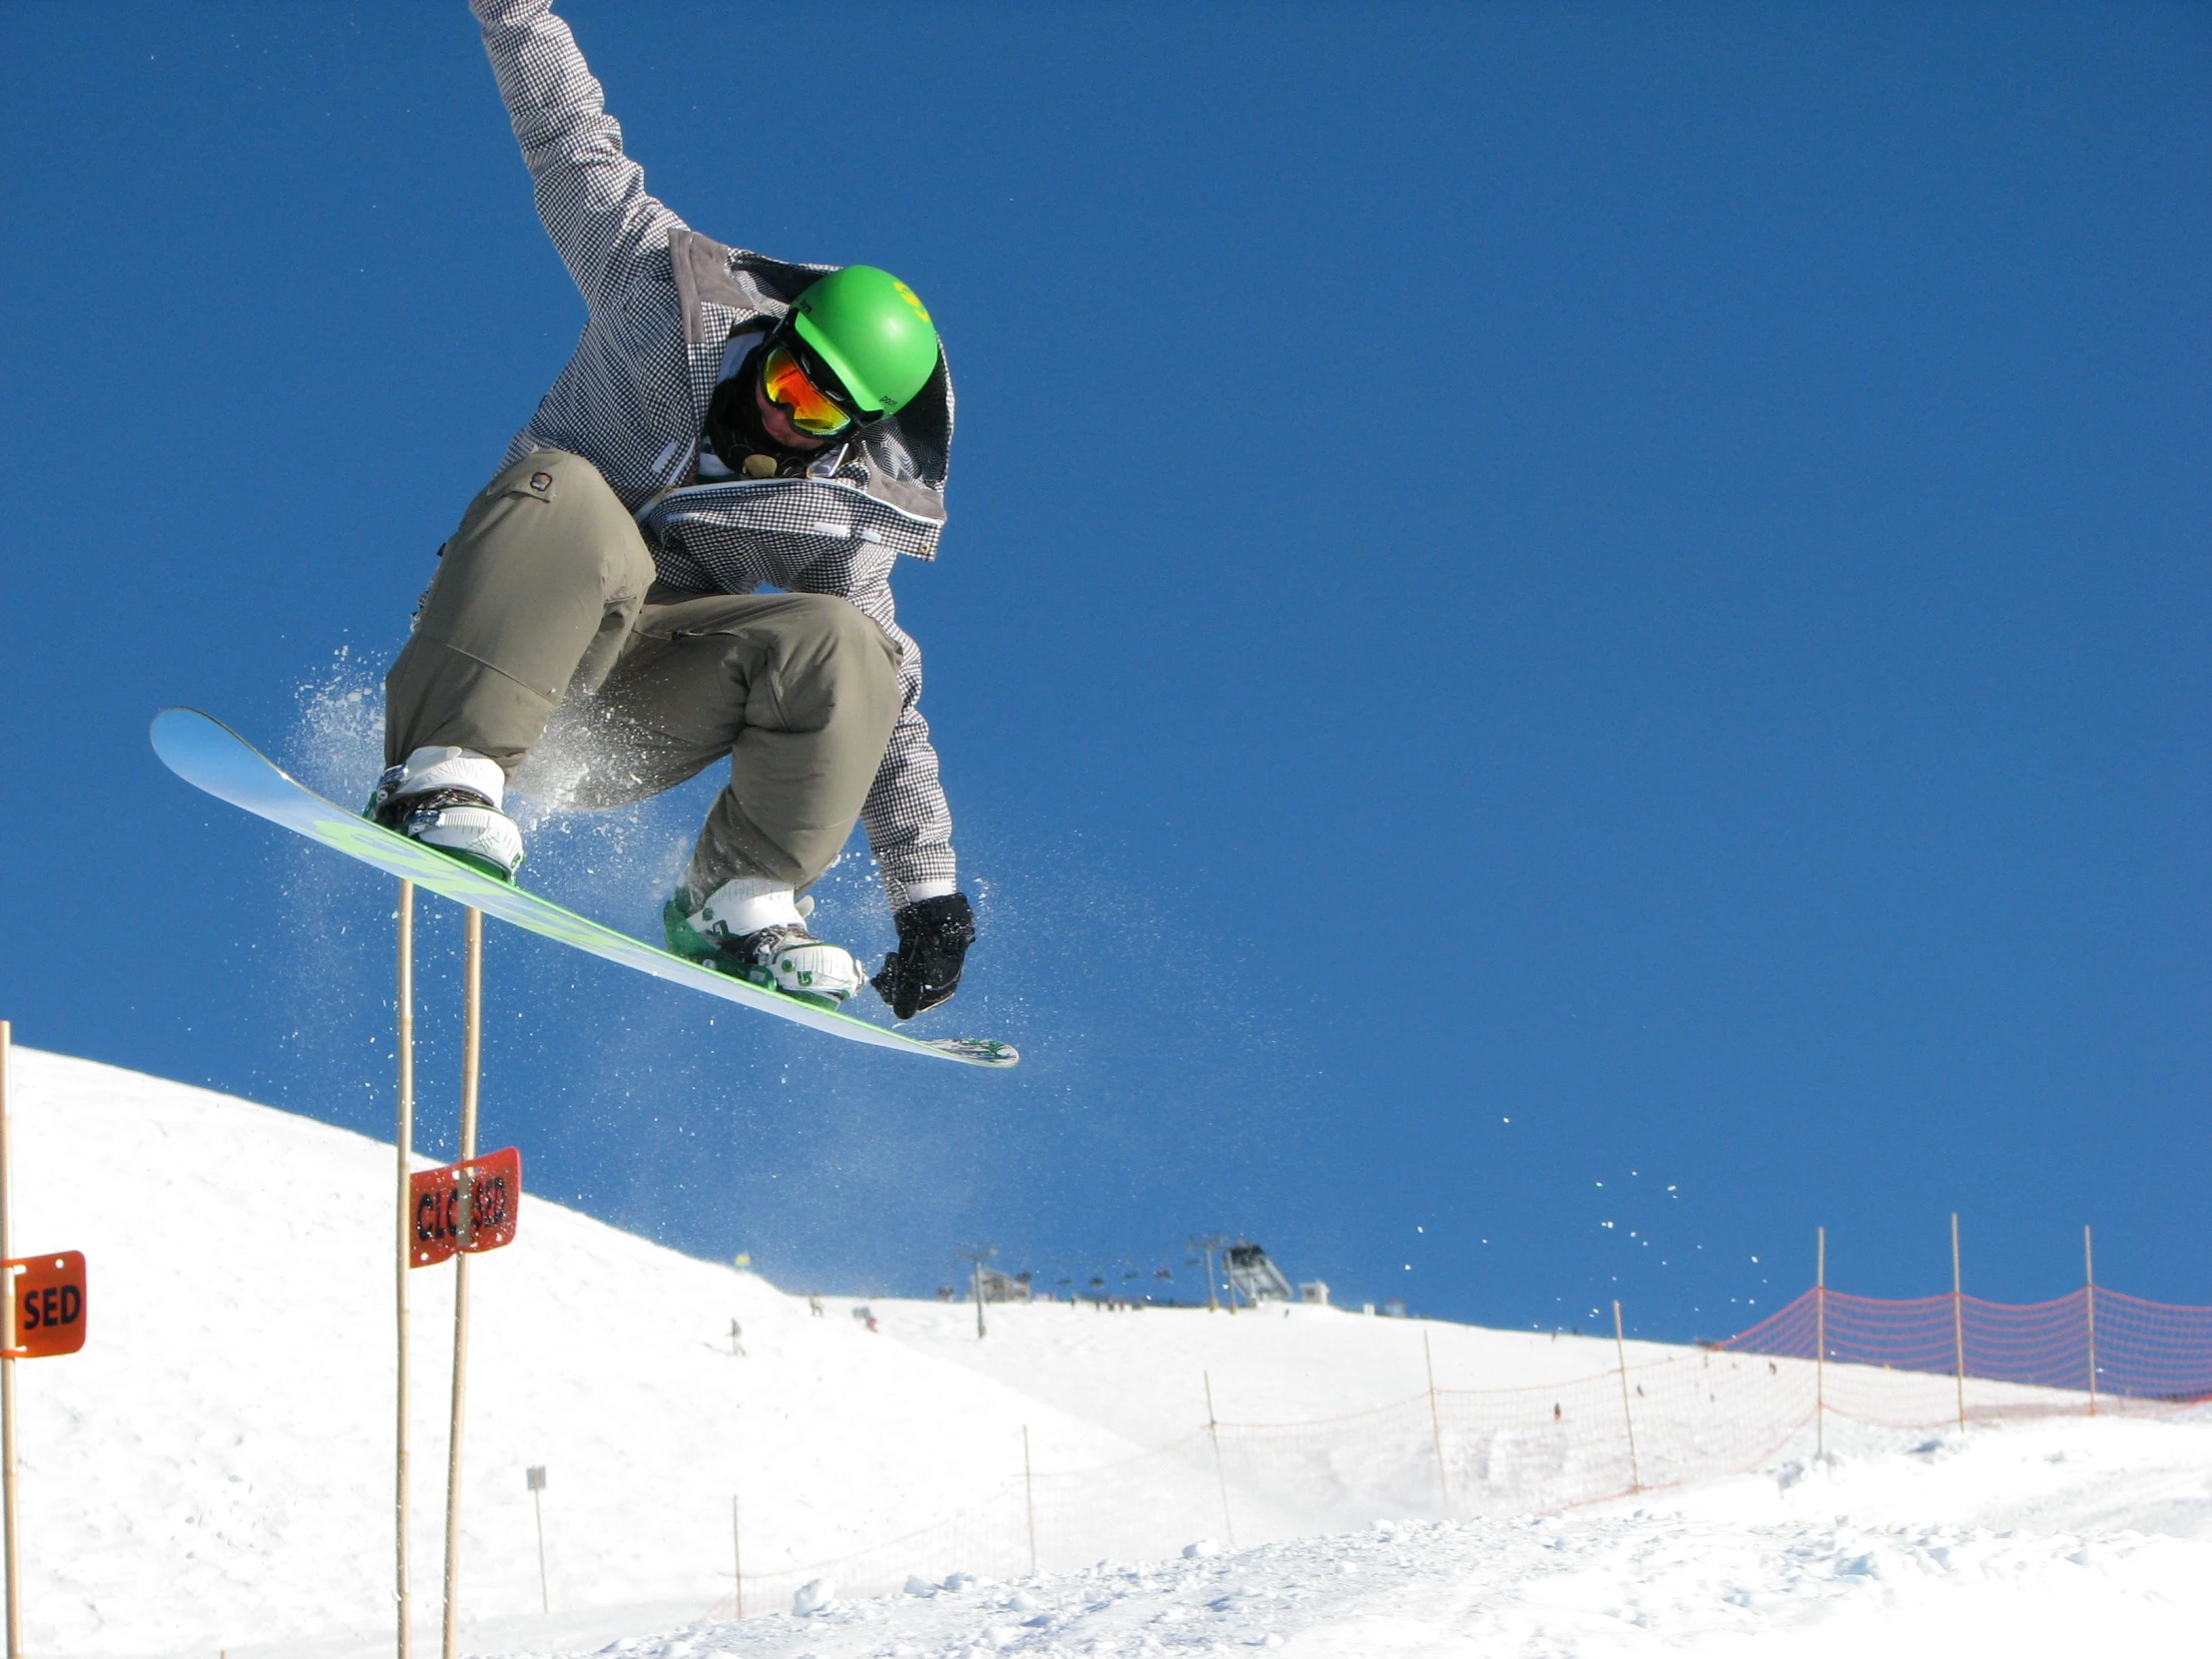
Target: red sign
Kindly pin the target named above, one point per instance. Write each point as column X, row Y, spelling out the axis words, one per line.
column 45, row 1312
column 465, row 1207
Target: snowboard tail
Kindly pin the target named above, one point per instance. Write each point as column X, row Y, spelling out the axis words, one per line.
column 210, row 756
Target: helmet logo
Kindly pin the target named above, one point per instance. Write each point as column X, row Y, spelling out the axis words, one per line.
column 906, row 293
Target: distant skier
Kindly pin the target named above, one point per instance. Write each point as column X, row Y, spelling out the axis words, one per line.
column 728, row 422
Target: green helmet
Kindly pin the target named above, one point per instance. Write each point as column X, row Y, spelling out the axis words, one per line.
column 873, row 333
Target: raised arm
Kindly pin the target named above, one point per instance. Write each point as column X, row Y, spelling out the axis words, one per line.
column 591, row 195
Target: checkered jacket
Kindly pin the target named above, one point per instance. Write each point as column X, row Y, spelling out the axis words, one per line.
column 663, row 301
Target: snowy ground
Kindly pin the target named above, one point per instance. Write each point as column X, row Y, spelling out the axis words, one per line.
column 2060, row 1538
column 212, row 1473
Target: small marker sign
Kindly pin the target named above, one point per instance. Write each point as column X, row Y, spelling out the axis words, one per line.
column 46, row 1304
column 467, row 1207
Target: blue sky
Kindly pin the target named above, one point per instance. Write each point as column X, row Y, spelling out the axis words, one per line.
column 1572, row 639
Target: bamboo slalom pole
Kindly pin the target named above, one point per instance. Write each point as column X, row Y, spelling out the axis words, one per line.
column 2090, row 1309
column 1029, row 1499
column 7, row 1365
column 1819, row 1345
column 1620, row 1348
column 404, row 1139
column 1212, row 1431
column 1957, row 1321
column 464, row 1221
column 1436, row 1423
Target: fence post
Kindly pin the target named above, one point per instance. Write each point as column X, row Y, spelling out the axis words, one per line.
column 2090, row 1309
column 1820, row 1346
column 1436, row 1423
column 404, row 1139
column 1957, row 1320
column 472, row 1004
column 1029, row 1499
column 737, row 1558
column 1620, row 1347
column 1212, row 1431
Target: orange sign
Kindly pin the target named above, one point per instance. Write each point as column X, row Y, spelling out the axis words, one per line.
column 46, row 1312
column 483, row 1194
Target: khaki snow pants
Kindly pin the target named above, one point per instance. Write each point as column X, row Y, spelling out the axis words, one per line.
column 545, row 610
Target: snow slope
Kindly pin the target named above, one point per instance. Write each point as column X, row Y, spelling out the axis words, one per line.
column 1897, row 1551
column 212, row 1473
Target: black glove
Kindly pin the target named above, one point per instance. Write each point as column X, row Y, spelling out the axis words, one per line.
column 934, row 940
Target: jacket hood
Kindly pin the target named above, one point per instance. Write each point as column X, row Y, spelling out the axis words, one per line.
column 907, row 455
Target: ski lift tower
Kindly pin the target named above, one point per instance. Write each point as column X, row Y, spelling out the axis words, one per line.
column 1209, row 1242
column 975, row 1256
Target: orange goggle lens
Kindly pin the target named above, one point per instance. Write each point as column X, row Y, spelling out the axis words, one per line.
column 811, row 412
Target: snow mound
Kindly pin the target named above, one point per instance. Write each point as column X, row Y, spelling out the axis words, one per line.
column 1906, row 1550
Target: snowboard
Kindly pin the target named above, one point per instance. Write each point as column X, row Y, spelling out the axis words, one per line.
column 210, row 756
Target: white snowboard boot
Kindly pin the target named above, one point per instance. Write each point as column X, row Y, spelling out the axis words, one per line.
column 752, row 929
column 451, row 798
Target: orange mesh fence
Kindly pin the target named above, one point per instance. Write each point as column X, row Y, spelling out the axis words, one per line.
column 2147, row 1350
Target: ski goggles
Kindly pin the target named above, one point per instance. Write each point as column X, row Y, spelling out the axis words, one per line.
column 786, row 380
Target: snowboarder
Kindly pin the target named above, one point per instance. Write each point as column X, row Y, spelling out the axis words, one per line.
column 728, row 424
